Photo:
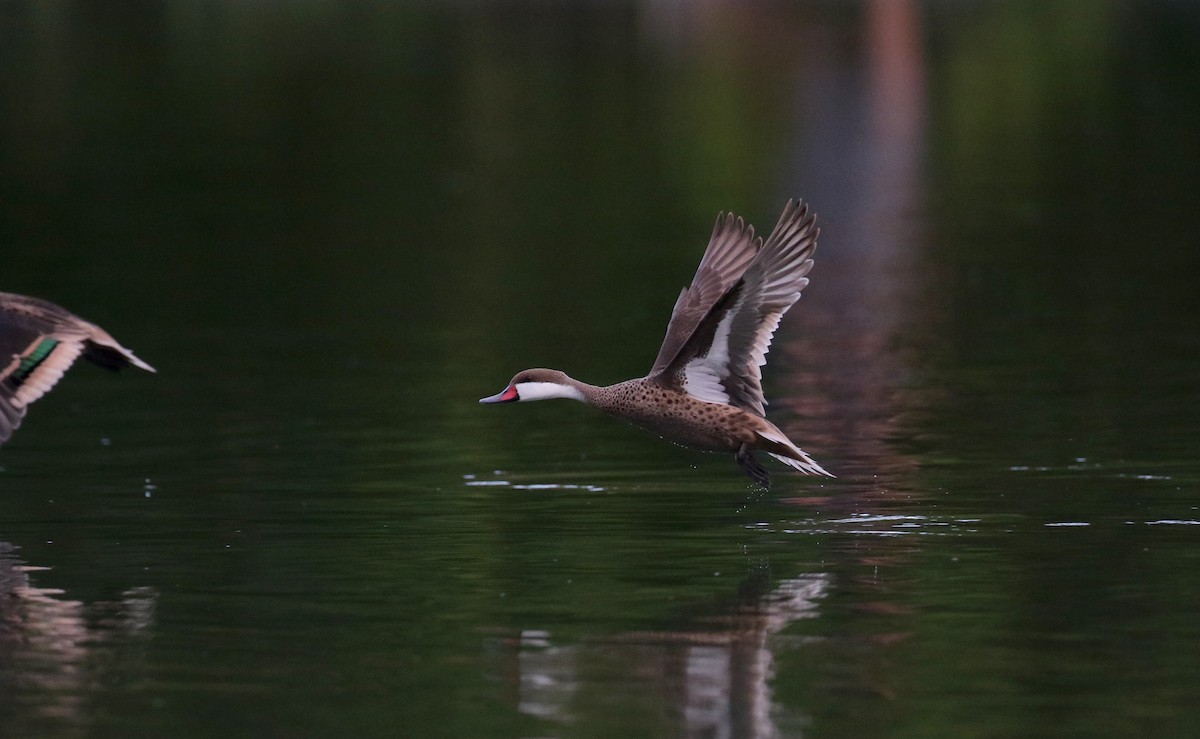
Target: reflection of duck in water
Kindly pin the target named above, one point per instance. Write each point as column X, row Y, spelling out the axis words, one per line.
column 705, row 389
column 712, row 671
column 41, row 341
column 57, row 650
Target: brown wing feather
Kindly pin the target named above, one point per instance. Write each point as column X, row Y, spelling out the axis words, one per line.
column 730, row 250
column 770, row 286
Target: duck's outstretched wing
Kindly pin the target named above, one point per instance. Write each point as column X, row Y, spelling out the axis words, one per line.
column 730, row 250
column 721, row 361
column 39, row 341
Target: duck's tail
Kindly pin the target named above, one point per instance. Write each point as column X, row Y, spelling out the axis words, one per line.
column 102, row 349
column 803, row 462
column 781, row 448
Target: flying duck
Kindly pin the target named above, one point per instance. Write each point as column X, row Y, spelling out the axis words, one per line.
column 705, row 388
column 41, row 341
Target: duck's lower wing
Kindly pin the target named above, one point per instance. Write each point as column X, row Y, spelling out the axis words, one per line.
column 37, row 363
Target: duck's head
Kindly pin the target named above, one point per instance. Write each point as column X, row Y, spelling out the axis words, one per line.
column 538, row 384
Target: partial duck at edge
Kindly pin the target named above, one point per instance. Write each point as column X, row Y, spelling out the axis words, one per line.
column 41, row 341
column 705, row 388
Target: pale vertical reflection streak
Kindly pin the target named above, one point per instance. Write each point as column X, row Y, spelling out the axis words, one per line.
column 716, row 675
column 56, row 648
column 861, row 147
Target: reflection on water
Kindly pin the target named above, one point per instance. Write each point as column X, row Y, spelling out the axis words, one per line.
column 54, row 650
column 713, row 675
column 471, row 480
column 861, row 524
column 839, row 365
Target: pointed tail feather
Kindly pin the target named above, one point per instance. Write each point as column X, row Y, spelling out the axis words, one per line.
column 788, row 453
column 805, row 465
column 112, row 356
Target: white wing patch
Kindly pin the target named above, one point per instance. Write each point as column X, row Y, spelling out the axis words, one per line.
column 702, row 383
column 729, row 372
column 703, row 376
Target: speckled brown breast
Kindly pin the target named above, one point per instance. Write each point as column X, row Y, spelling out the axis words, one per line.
column 678, row 417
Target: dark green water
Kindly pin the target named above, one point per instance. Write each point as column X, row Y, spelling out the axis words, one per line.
column 333, row 226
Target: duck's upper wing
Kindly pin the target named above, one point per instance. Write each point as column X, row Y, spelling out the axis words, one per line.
column 729, row 252
column 721, row 361
column 39, row 341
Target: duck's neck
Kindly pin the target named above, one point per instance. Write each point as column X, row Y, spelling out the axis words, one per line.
column 607, row 398
column 563, row 386
column 581, row 391
column 531, row 391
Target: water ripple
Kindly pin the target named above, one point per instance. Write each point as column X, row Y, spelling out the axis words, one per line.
column 471, row 481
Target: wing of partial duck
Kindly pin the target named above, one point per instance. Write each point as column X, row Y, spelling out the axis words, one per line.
column 730, row 250
column 41, row 341
column 721, row 361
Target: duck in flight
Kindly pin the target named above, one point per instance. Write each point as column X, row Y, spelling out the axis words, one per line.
column 705, row 388
column 41, row 341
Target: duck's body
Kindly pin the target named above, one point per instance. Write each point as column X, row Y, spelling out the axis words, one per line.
column 680, row 418
column 38, row 343
column 704, row 390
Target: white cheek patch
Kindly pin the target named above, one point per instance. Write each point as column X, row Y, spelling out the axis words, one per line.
column 547, row 390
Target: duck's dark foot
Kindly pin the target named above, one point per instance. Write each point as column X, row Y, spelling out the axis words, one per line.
column 746, row 459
